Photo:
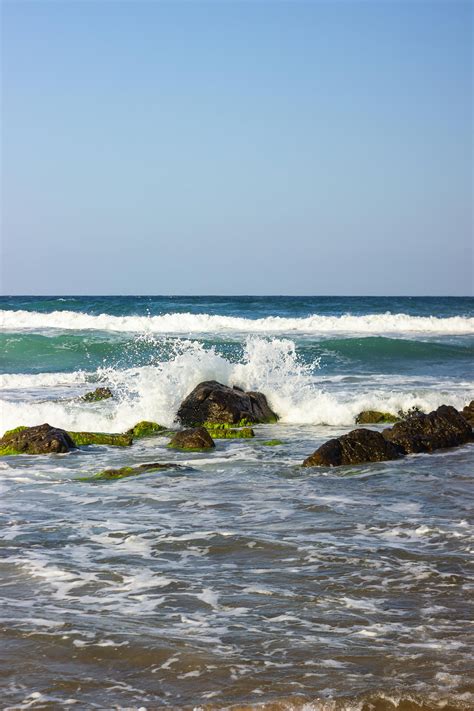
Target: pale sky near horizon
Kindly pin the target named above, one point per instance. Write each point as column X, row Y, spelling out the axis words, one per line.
column 237, row 147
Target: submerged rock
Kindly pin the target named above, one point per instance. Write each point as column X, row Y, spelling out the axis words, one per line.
column 468, row 413
column 113, row 440
column 42, row 439
column 440, row 429
column 197, row 438
column 123, row 472
column 212, row 402
column 271, row 443
column 97, row 394
column 356, row 447
column 146, row 429
column 368, row 417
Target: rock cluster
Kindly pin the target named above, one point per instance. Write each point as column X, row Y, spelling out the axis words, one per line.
column 442, row 428
column 215, row 411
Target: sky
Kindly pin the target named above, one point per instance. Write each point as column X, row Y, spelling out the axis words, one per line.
column 252, row 147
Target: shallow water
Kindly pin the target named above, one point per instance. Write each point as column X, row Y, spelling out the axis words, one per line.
column 243, row 579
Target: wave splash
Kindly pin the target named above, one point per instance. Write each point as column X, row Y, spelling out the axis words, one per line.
column 297, row 391
column 188, row 323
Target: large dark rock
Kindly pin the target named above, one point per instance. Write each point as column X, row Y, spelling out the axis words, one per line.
column 468, row 413
column 197, row 438
column 356, row 447
column 213, row 402
column 440, row 429
column 42, row 439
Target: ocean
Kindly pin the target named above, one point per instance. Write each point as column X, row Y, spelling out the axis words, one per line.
column 242, row 580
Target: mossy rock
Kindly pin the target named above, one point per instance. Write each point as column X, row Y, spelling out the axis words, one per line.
column 374, row 417
column 113, row 440
column 40, row 439
column 272, row 443
column 225, row 431
column 97, row 395
column 146, row 429
column 124, row 472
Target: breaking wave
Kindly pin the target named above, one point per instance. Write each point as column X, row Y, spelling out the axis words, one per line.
column 188, row 323
column 298, row 391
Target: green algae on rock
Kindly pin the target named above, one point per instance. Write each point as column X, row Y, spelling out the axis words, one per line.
column 146, row 429
column 225, row 431
column 271, row 442
column 15, row 430
column 197, row 439
column 374, row 417
column 41, row 439
column 113, row 440
column 97, row 395
column 124, row 472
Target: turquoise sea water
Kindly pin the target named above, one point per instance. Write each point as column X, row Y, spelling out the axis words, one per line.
column 242, row 579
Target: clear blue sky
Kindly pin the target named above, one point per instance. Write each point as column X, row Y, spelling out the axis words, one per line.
column 237, row 147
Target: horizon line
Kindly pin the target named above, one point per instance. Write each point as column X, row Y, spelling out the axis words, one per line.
column 254, row 296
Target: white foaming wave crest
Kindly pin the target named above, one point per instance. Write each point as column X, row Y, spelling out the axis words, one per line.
column 188, row 323
column 271, row 366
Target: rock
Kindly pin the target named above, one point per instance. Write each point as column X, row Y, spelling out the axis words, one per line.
column 468, row 413
column 227, row 432
column 42, row 439
column 146, row 429
column 211, row 402
column 368, row 417
column 440, row 429
column 194, row 439
column 123, row 472
column 97, row 394
column 356, row 447
column 113, row 440
column 271, row 443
